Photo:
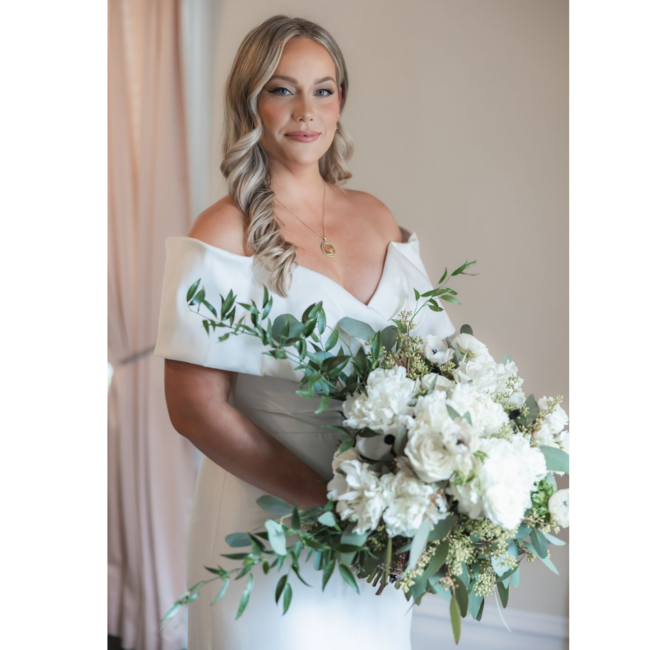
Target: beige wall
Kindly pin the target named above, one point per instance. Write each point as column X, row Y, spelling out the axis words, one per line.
column 459, row 113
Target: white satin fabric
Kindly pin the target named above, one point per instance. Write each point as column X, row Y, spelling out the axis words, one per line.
column 264, row 390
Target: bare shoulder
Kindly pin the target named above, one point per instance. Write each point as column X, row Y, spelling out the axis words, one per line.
column 222, row 225
column 378, row 213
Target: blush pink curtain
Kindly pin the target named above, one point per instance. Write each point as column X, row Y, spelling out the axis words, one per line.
column 150, row 467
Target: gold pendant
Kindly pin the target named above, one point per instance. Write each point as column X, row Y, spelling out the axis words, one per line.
column 328, row 248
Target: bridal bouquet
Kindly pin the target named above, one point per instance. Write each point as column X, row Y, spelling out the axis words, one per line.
column 444, row 479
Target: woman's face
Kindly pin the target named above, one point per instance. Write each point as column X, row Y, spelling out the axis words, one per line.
column 300, row 96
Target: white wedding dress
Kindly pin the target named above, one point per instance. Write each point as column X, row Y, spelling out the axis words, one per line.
column 264, row 390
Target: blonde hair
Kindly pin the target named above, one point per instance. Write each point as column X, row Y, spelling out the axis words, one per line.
column 245, row 164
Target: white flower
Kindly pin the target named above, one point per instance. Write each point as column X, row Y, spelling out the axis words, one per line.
column 470, row 347
column 430, row 412
column 461, row 440
column 558, row 506
column 511, row 466
column 348, row 454
column 375, row 447
column 436, row 349
column 557, row 419
column 562, row 439
column 481, row 374
column 388, row 402
column 359, row 495
column 441, row 383
column 505, row 506
column 409, row 502
column 428, row 455
column 487, row 415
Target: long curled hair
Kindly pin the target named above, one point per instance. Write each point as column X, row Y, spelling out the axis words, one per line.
column 245, row 164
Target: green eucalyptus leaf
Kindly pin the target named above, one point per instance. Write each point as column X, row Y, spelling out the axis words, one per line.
column 245, row 596
column 554, row 540
column 288, row 592
column 474, row 604
column 389, row 337
column 462, row 597
column 454, row 611
column 503, row 593
column 557, row 460
column 222, row 592
column 419, row 543
column 443, row 527
column 348, row 576
column 277, row 539
column 540, row 543
column 192, row 290
column 453, row 414
column 356, row 328
column 275, row 505
column 327, row 572
column 238, row 539
column 328, row 519
column 280, row 587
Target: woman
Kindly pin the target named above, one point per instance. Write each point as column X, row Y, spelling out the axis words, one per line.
column 286, row 223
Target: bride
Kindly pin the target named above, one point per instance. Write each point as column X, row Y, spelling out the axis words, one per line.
column 288, row 224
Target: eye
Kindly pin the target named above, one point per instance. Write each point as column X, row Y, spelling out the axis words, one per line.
column 327, row 90
column 275, row 91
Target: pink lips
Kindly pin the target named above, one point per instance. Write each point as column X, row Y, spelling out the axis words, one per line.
column 303, row 136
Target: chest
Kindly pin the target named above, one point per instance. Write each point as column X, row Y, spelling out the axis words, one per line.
column 360, row 256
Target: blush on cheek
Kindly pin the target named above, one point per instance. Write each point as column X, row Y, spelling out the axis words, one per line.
column 273, row 113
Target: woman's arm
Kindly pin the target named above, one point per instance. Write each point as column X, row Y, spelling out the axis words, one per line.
column 197, row 401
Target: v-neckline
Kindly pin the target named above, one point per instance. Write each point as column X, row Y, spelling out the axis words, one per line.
column 367, row 305
column 407, row 236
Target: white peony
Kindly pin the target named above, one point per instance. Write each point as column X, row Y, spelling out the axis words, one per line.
column 360, row 495
column 487, row 415
column 558, row 506
column 479, row 373
column 387, row 404
column 512, row 466
column 436, row 349
column 430, row 412
column 410, row 501
column 505, row 506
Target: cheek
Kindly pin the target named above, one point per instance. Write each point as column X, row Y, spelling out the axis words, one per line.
column 272, row 112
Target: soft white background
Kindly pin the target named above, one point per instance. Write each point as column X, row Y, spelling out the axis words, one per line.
column 459, row 113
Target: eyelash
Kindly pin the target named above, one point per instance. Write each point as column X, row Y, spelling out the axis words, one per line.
column 274, row 92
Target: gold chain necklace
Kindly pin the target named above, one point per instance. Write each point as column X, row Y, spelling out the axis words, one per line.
column 326, row 246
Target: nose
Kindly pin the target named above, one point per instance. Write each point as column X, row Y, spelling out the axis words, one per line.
column 304, row 110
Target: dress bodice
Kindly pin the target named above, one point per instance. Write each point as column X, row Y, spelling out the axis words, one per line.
column 181, row 335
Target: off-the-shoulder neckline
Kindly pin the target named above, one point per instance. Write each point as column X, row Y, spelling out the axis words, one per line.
column 411, row 239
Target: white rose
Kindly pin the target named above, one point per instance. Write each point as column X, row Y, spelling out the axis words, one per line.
column 387, row 404
column 558, row 506
column 482, row 375
column 359, row 495
column 436, row 350
column 428, row 455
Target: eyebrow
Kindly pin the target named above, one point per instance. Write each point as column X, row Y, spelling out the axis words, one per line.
column 318, row 81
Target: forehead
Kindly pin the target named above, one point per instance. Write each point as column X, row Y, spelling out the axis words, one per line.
column 305, row 60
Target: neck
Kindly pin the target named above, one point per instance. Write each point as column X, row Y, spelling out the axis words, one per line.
column 300, row 189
